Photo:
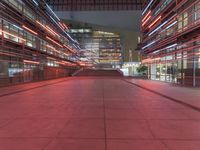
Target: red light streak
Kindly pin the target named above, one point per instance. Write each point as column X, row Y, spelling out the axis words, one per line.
column 154, row 22
column 48, row 29
column 53, row 48
column 53, row 41
column 31, row 62
column 66, row 27
column 146, row 21
column 51, row 31
column 70, row 49
column 28, row 29
column 61, row 25
column 146, row 16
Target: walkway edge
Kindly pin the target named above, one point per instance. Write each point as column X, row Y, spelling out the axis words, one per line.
column 28, row 89
column 165, row 96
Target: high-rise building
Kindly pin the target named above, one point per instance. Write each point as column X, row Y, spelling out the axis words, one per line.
column 171, row 40
column 34, row 43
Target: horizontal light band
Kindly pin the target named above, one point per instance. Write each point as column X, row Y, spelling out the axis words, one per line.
column 171, row 25
column 70, row 49
column 148, row 44
column 158, row 28
column 53, row 49
column 171, row 46
column 53, row 41
column 31, row 62
column 154, row 22
column 28, row 29
column 51, row 31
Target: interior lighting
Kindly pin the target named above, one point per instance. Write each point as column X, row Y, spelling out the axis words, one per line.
column 12, row 35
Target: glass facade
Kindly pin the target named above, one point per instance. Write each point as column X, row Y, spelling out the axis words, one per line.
column 33, row 44
column 102, row 47
column 170, row 46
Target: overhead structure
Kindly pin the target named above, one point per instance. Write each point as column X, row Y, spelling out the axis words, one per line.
column 86, row 5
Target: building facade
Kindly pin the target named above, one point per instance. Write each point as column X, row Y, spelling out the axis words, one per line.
column 34, row 43
column 171, row 40
column 104, row 48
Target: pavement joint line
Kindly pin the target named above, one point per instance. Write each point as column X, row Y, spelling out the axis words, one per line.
column 104, row 110
column 165, row 96
column 29, row 89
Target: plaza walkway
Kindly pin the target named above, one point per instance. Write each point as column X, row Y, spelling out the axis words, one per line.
column 99, row 113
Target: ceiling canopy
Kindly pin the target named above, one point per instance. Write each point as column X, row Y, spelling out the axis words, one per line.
column 86, row 5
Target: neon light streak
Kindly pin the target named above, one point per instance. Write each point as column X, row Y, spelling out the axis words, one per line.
column 35, row 2
column 62, row 29
column 148, row 44
column 12, row 35
column 66, row 27
column 146, row 16
column 31, row 62
column 70, row 49
column 158, row 28
column 53, row 49
column 146, row 21
column 28, row 29
column 51, row 31
column 61, row 25
column 52, row 12
column 53, row 41
column 17, row 27
column 171, row 25
column 41, row 24
column 147, row 7
column 171, row 46
column 154, row 22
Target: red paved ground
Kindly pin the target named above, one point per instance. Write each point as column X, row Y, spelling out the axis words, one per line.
column 94, row 114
